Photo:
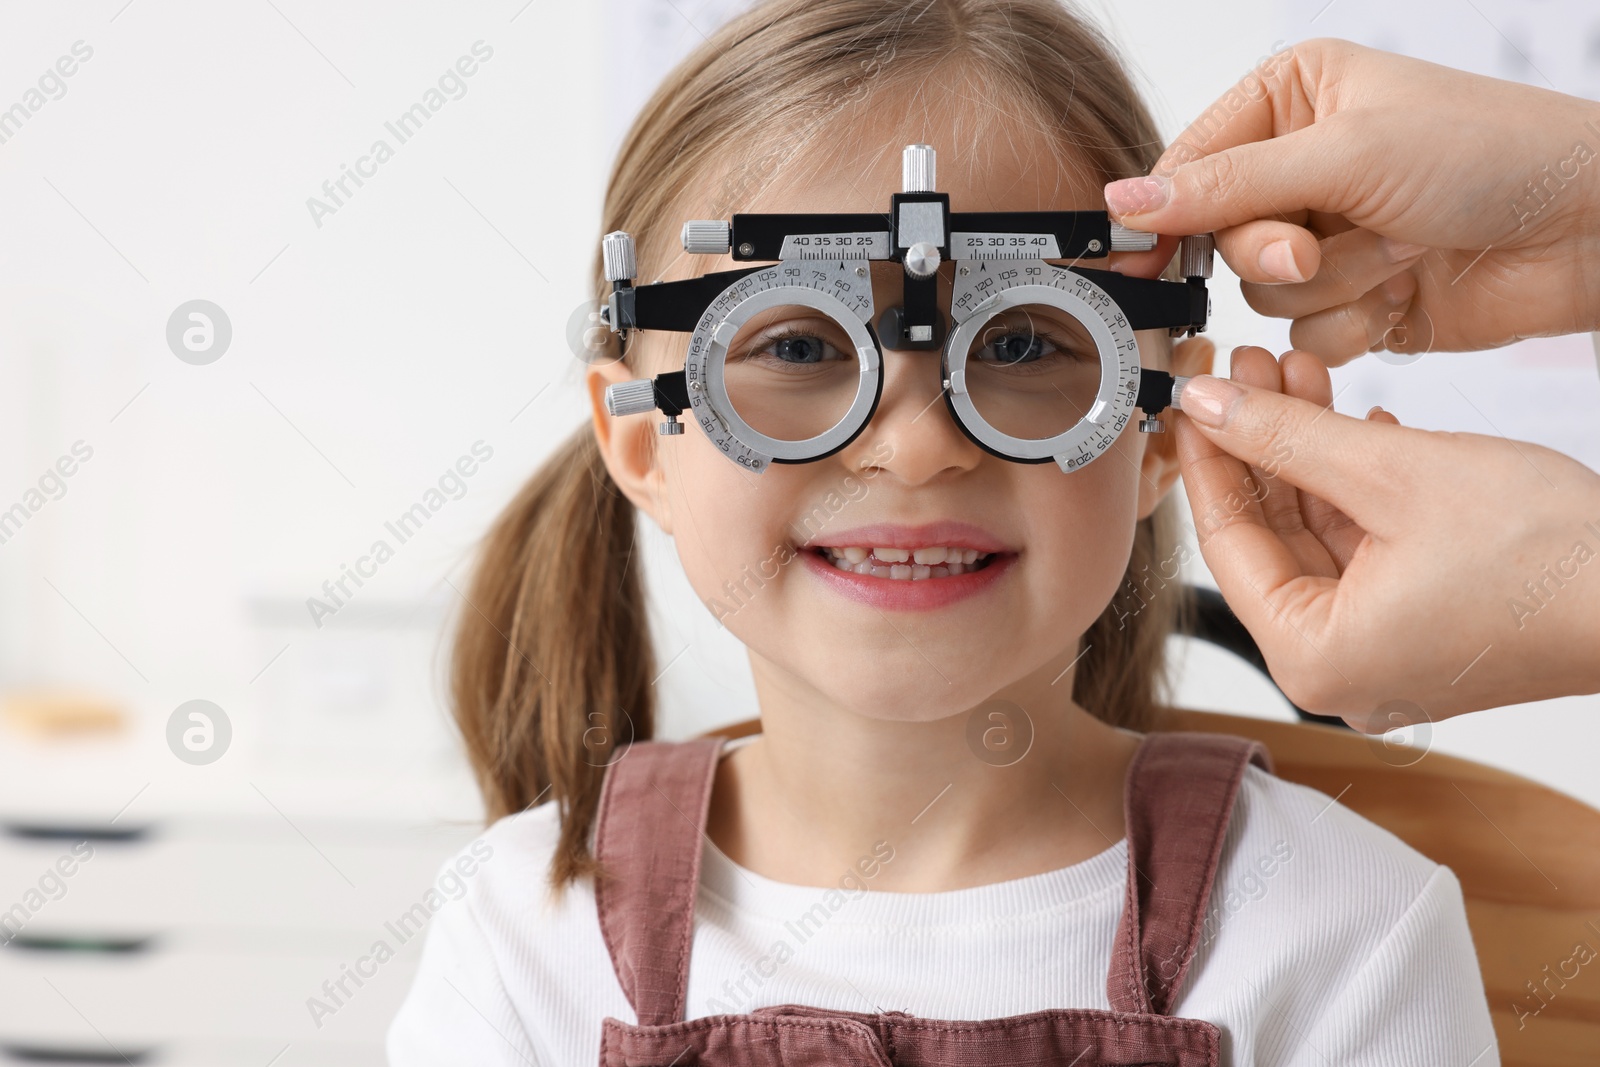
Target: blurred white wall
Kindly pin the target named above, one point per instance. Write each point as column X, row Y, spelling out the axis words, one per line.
column 371, row 348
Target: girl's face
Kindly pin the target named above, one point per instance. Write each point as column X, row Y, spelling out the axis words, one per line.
column 886, row 648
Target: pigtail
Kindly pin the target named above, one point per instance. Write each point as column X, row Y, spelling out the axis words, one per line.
column 552, row 662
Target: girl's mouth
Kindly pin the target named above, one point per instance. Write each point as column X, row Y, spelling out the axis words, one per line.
column 907, row 565
column 894, row 579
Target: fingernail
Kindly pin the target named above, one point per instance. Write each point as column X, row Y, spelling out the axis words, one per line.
column 1277, row 259
column 1375, row 409
column 1399, row 251
column 1130, row 196
column 1208, row 399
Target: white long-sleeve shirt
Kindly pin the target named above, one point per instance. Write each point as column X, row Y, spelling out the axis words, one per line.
column 1327, row 941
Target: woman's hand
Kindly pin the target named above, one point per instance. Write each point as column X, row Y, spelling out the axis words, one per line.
column 1390, row 573
column 1385, row 202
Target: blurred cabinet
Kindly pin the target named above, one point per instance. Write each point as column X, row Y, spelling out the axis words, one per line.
column 219, row 919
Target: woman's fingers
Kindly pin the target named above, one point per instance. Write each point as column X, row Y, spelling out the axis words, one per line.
column 1269, row 253
column 1339, row 334
column 1280, row 504
column 1220, row 487
column 1346, row 461
column 1255, row 569
column 1263, row 179
column 1378, row 414
column 1305, row 376
column 1353, row 263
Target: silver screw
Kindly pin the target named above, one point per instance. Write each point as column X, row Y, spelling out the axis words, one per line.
column 964, row 271
column 1094, row 245
column 747, row 249
column 861, row 272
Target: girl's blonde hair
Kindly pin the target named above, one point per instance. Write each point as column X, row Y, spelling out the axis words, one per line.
column 552, row 665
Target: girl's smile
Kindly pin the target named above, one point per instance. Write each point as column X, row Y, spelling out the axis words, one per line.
column 905, row 568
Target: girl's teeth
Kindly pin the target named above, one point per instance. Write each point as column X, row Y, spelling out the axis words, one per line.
column 904, row 564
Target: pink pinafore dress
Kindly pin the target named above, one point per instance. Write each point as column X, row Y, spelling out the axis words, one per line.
column 1179, row 794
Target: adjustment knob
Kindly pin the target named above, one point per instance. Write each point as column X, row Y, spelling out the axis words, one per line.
column 1126, row 240
column 917, row 169
column 1178, row 382
column 922, row 259
column 1195, row 255
column 617, row 249
column 707, row 237
column 631, row 397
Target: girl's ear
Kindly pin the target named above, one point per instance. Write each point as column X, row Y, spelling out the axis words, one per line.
column 628, row 445
column 1159, row 469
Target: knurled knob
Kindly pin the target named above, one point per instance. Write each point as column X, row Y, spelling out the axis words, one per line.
column 1126, row 240
column 617, row 249
column 633, row 397
column 1178, row 382
column 922, row 259
column 917, row 169
column 707, row 237
column 1195, row 255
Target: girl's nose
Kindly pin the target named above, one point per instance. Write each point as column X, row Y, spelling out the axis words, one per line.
column 913, row 420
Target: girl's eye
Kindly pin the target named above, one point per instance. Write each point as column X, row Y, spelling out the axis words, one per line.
column 1027, row 350
column 787, row 349
column 1016, row 348
column 800, row 349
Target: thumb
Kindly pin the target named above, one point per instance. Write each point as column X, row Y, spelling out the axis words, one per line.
column 1271, row 179
column 1360, row 467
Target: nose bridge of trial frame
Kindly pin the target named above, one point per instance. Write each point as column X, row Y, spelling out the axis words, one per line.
column 916, row 233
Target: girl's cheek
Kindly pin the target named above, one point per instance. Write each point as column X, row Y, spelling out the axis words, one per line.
column 731, row 528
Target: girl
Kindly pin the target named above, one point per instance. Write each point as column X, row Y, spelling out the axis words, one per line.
column 850, row 884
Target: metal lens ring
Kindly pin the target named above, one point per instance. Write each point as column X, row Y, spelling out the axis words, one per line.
column 834, row 291
column 986, row 291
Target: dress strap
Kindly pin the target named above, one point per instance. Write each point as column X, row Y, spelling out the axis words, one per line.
column 652, row 816
column 1178, row 797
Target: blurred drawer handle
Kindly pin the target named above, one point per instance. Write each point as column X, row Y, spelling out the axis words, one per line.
column 40, row 831
column 21, row 1053
column 80, row 943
